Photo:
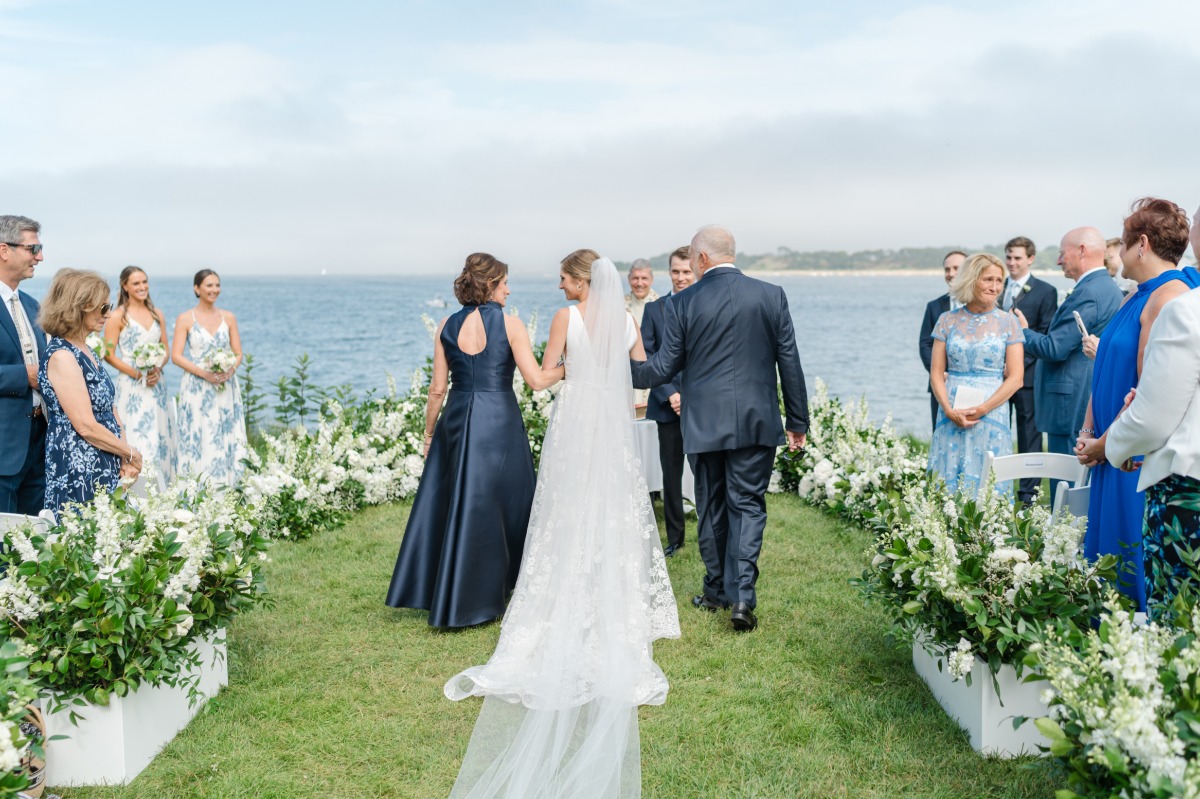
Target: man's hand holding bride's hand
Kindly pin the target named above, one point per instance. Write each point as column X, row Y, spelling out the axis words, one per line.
column 796, row 441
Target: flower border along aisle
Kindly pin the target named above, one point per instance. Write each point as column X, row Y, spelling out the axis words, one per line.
column 1125, row 705
column 115, row 603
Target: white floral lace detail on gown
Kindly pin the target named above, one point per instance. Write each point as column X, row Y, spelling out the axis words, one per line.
column 574, row 659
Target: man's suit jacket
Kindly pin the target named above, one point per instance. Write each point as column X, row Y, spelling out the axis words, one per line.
column 727, row 334
column 933, row 310
column 16, row 397
column 658, row 407
column 1063, row 382
column 1038, row 304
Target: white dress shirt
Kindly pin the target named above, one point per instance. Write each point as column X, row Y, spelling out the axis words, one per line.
column 6, row 295
column 1163, row 422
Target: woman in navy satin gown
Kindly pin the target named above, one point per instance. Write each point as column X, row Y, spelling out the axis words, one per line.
column 1152, row 243
column 462, row 547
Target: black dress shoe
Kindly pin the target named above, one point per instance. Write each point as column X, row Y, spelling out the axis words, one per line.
column 704, row 603
column 672, row 549
column 743, row 617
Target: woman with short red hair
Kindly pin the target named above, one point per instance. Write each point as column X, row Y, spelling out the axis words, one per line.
column 1153, row 241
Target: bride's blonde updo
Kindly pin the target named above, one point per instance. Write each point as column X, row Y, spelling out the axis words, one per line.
column 579, row 264
column 479, row 277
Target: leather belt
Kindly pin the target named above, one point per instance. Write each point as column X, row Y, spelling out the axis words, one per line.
column 37, row 413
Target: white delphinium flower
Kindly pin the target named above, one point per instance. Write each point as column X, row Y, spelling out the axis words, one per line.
column 10, row 756
column 18, row 600
column 960, row 660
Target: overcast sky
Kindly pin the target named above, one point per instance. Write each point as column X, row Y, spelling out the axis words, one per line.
column 393, row 137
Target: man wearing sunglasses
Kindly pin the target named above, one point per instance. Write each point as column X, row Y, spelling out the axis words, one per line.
column 22, row 349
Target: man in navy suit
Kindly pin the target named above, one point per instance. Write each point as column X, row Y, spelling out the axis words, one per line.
column 1038, row 301
column 1063, row 383
column 728, row 334
column 950, row 264
column 664, row 402
column 22, row 349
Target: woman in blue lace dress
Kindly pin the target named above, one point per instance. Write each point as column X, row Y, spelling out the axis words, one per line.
column 86, row 450
column 1152, row 243
column 145, row 407
column 977, row 365
column 211, row 425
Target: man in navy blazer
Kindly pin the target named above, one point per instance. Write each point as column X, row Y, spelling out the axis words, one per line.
column 1038, row 301
column 728, row 334
column 664, row 402
column 950, row 264
column 1063, row 382
column 22, row 417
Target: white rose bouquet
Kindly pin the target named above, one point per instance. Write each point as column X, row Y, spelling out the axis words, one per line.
column 148, row 355
column 218, row 360
column 99, row 345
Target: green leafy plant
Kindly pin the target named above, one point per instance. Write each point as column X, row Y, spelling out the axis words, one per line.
column 17, row 691
column 113, row 596
column 971, row 577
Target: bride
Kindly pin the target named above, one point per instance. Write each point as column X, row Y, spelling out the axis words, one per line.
column 574, row 659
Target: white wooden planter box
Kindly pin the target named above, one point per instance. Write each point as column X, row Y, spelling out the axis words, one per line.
column 977, row 709
column 111, row 745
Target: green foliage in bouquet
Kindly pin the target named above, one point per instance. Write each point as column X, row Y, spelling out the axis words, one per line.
column 967, row 576
column 113, row 595
column 1125, row 704
column 17, row 691
column 850, row 462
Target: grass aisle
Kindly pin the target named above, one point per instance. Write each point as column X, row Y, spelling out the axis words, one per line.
column 333, row 694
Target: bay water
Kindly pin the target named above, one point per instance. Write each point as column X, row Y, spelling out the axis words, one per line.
column 857, row 332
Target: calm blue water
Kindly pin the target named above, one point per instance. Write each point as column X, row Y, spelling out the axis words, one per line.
column 858, row 333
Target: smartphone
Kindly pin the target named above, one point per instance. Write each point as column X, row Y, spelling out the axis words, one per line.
column 1079, row 323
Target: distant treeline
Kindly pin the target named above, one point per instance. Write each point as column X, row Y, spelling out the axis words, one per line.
column 788, row 260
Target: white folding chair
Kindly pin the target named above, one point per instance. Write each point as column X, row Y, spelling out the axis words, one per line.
column 1075, row 500
column 1038, row 465
column 41, row 522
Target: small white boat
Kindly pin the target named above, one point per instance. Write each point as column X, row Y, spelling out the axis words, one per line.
column 436, row 302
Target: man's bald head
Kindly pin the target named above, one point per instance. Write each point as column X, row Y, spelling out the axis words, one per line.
column 1081, row 251
column 712, row 245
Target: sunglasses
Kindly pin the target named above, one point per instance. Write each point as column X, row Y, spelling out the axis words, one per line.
column 105, row 309
column 793, row 455
column 34, row 249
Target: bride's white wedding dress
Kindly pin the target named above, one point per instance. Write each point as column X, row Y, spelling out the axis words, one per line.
column 574, row 658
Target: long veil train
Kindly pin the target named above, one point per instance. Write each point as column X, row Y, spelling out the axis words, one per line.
column 574, row 659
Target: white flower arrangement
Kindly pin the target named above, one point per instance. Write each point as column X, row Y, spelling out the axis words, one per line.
column 99, row 345
column 850, row 462
column 148, row 355
column 1125, row 705
column 218, row 360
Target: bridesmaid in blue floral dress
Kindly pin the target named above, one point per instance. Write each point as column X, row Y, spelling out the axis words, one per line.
column 85, row 448
column 211, row 425
column 142, row 399
column 979, row 348
column 1153, row 241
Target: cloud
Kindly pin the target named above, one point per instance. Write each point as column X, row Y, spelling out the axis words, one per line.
column 926, row 125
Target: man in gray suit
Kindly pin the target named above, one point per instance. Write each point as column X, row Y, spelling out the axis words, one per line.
column 1063, row 382
column 22, row 349
column 728, row 334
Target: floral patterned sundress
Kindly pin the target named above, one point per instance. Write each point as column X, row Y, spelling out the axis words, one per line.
column 211, row 425
column 145, row 410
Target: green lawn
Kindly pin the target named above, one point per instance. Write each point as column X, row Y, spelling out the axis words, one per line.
column 333, row 694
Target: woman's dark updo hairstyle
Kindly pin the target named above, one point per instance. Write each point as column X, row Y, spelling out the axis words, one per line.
column 1163, row 223
column 123, row 295
column 200, row 277
column 479, row 278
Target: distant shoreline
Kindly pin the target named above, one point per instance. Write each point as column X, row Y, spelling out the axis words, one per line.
column 844, row 272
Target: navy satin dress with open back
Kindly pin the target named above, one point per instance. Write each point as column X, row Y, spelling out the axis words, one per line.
column 462, row 547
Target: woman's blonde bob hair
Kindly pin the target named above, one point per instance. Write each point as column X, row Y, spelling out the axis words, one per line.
column 579, row 264
column 73, row 294
column 963, row 287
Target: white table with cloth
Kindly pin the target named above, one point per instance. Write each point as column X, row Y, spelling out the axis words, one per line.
column 645, row 434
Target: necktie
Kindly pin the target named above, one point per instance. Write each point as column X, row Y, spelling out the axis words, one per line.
column 25, row 335
column 1010, row 296
column 24, row 331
